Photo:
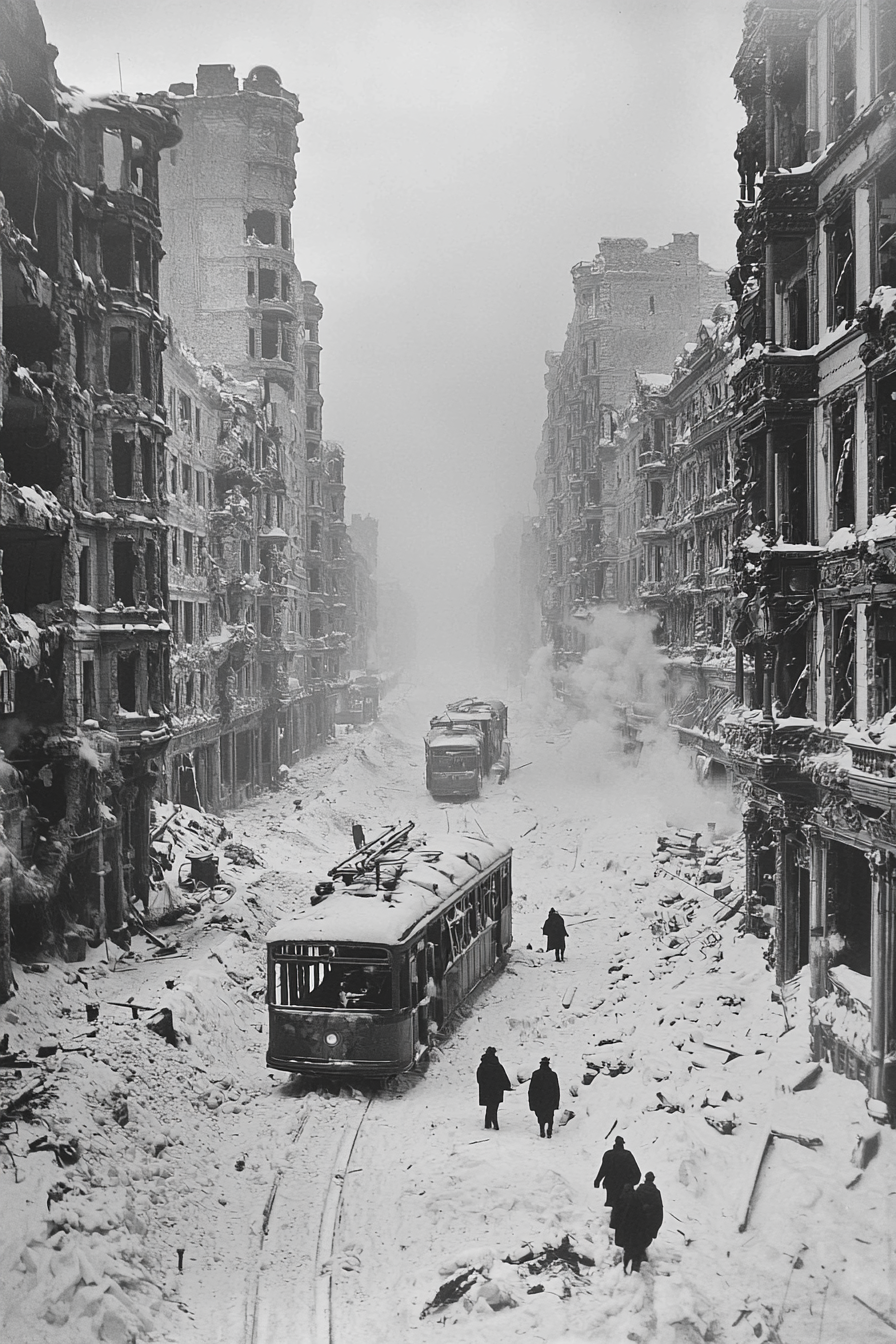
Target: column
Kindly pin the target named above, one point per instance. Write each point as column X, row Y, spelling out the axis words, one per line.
column 786, row 905
column 882, row 1082
column 818, row 913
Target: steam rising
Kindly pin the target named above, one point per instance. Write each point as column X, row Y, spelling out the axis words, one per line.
column 586, row 705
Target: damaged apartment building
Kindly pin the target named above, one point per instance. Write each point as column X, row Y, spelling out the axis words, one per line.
column 813, row 740
column 674, row 452
column 83, row 621
column 635, row 307
column 261, row 568
column 747, row 497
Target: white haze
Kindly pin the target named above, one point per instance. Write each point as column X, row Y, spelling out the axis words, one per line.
column 456, row 161
column 622, row 667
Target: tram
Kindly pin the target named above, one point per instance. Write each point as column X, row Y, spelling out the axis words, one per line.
column 391, row 945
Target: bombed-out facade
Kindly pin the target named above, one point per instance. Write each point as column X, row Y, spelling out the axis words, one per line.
column 745, row 496
column 84, row 622
column 635, row 307
column 176, row 600
column 238, row 301
column 815, row 573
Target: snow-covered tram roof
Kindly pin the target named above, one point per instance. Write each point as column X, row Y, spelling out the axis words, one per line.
column 429, row 874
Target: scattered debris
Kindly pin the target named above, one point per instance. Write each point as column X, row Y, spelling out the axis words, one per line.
column 536, row 1262
column 452, row 1291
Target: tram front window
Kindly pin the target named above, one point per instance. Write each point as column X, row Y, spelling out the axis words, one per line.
column 445, row 765
column 318, row 977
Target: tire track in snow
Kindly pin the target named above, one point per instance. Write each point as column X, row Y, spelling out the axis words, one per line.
column 290, row 1296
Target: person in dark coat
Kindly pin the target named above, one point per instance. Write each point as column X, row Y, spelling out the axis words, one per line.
column 649, row 1218
column 625, row 1220
column 544, row 1096
column 493, row 1083
column 555, row 931
column 617, row 1167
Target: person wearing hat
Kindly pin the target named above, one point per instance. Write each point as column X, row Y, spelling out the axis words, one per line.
column 544, row 1096
column 617, row 1169
column 493, row 1083
column 554, row 931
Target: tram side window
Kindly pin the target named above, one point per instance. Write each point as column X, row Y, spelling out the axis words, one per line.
column 457, row 930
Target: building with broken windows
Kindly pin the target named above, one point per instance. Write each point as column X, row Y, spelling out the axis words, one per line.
column 815, row 470
column 673, row 449
column 635, row 307
column 83, row 619
column 230, row 624
column 275, row 541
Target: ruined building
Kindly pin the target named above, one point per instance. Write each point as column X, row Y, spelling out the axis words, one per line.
column 674, row 450
column 229, row 628
column 270, row 575
column 815, row 483
column 635, row 307
column 84, row 683
column 363, row 535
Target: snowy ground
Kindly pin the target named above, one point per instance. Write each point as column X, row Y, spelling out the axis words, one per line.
column 180, row 1148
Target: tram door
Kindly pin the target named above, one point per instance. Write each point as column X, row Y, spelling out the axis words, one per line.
column 419, row 996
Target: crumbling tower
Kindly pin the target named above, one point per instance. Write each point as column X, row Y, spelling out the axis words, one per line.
column 236, row 297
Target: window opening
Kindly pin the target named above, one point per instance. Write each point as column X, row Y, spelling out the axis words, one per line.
column 127, row 682
column 121, row 359
column 261, row 223
column 122, row 466
column 124, row 563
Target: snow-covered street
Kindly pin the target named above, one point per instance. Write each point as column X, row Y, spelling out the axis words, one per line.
column 670, row 1038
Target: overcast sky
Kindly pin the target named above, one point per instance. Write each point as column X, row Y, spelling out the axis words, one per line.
column 457, row 158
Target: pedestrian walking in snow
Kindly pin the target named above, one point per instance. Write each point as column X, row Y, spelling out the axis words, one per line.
column 493, row 1083
column 555, row 931
column 618, row 1168
column 625, row 1220
column 544, row 1096
column 649, row 1217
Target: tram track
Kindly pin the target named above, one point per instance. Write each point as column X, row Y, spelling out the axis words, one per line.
column 290, row 1295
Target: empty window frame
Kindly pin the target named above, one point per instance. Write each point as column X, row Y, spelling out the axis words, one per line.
column 121, row 359
column 841, row 268
column 127, row 682
column 842, row 56
column 885, row 222
column 124, row 564
column 118, row 265
column 842, row 663
column 88, row 689
column 261, row 224
column 122, row 466
column 843, row 464
column 885, row 443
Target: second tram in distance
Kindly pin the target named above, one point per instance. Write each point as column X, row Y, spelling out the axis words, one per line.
column 392, row 944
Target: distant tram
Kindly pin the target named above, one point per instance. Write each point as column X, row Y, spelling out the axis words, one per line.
column 396, row 939
column 462, row 746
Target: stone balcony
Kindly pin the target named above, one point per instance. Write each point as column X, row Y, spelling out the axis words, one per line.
column 774, row 751
column 654, row 468
column 653, row 528
column 776, row 377
column 872, row 778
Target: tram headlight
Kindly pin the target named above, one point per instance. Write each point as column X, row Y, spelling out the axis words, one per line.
column 331, row 1038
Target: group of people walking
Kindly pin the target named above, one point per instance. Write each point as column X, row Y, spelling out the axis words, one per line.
column 544, row 1091
column 637, row 1210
